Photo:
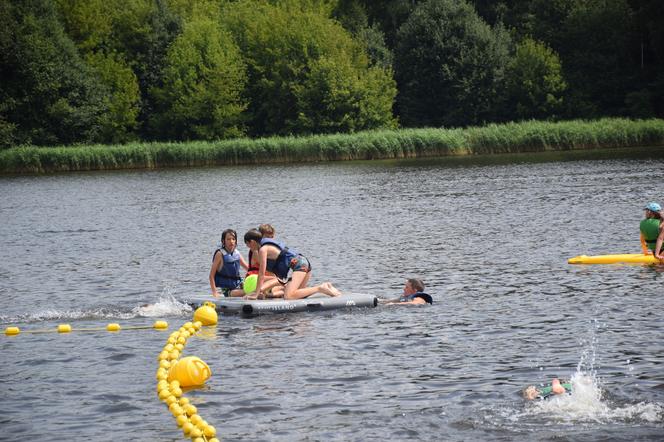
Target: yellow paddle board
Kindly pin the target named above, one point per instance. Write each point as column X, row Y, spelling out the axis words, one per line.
column 627, row 258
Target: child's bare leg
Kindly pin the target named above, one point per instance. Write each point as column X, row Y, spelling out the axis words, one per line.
column 236, row 292
column 297, row 286
column 277, row 292
column 270, row 283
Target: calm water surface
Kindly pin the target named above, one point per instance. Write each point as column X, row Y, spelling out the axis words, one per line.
column 490, row 237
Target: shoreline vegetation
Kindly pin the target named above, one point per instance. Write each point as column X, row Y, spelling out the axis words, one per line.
column 530, row 136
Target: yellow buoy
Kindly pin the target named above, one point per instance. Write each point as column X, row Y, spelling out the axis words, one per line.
column 176, row 409
column 190, row 410
column 209, row 431
column 64, row 328
column 187, row 427
column 162, row 374
column 10, row 331
column 163, row 394
column 160, row 325
column 189, row 371
column 181, row 419
column 113, row 327
column 195, row 419
column 206, row 314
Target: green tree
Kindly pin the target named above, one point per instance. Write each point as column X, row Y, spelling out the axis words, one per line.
column 142, row 32
column 203, row 80
column 91, row 24
column 450, row 66
column 88, row 23
column 290, row 49
column 335, row 97
column 353, row 17
column 534, row 81
column 597, row 59
column 122, row 99
column 388, row 16
column 648, row 99
column 49, row 94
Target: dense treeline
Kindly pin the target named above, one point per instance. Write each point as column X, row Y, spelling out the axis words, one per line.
column 119, row 71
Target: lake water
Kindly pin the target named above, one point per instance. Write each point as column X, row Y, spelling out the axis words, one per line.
column 489, row 235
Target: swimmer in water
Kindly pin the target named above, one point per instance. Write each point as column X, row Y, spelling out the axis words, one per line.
column 531, row 392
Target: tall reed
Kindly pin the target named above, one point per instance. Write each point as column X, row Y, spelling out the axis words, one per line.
column 530, row 136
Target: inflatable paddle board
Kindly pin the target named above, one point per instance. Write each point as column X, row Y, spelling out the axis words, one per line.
column 315, row 302
column 626, row 258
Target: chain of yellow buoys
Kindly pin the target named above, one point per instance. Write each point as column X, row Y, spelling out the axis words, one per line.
column 185, row 414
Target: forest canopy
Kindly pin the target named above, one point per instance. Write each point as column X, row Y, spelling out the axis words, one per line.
column 115, row 71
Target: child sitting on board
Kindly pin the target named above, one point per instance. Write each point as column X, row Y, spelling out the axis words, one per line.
column 226, row 264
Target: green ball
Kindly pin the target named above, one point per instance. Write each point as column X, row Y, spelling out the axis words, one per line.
column 250, row 283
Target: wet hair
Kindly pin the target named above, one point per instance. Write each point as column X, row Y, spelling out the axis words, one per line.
column 253, row 235
column 226, row 232
column 416, row 284
column 266, row 230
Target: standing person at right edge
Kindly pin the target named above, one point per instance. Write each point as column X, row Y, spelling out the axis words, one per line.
column 652, row 230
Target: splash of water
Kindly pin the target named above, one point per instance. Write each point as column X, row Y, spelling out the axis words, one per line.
column 587, row 403
column 166, row 305
column 588, row 400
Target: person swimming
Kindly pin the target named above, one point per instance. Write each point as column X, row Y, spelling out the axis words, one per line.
column 413, row 293
column 555, row 388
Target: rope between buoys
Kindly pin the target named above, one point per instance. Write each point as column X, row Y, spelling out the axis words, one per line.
column 66, row 328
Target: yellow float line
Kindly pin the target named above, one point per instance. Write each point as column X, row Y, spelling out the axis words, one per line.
column 66, row 328
column 186, row 415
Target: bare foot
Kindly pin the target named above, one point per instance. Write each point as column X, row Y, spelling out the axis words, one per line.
column 329, row 289
column 335, row 290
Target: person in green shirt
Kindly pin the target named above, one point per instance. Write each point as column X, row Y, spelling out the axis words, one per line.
column 652, row 230
column 554, row 388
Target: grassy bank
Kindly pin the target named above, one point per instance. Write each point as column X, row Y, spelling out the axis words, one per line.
column 532, row 136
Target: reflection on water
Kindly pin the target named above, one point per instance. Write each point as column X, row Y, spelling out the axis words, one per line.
column 489, row 235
